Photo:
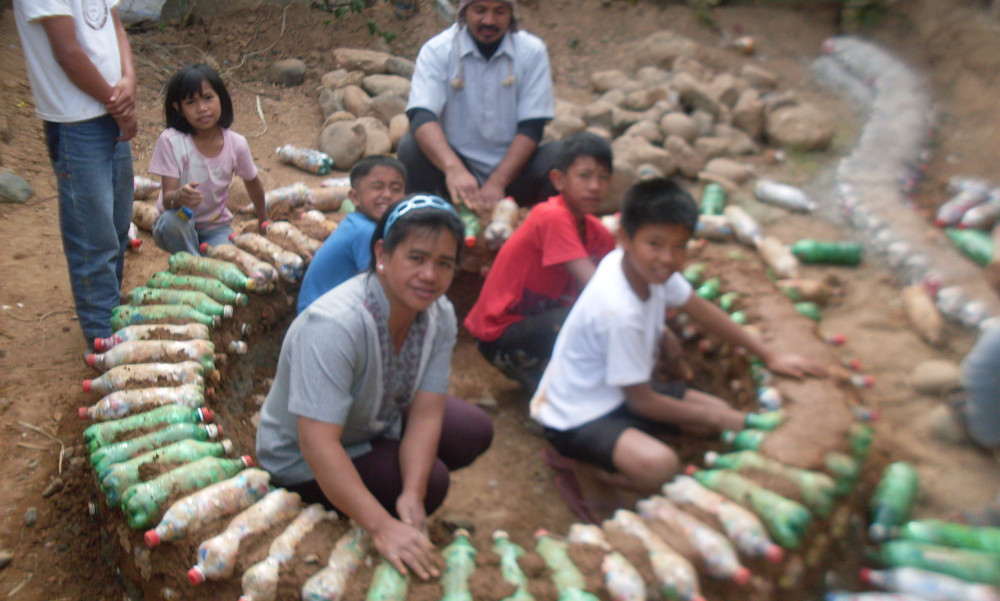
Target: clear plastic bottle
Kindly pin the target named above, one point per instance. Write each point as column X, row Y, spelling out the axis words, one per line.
column 950, row 534
column 155, row 351
column 741, row 526
column 294, row 195
column 951, row 212
column 187, row 331
column 263, row 273
column 971, row 566
column 818, row 490
column 303, row 243
column 319, row 218
column 102, row 434
column 141, row 503
column 142, row 295
column 142, row 375
column 129, row 315
column 565, row 575
column 144, row 215
column 215, row 289
column 984, row 216
column 307, row 159
column 105, row 457
column 143, row 187
column 459, row 563
column 120, row 476
column 502, row 223
column 784, row 196
column 117, row 405
column 778, row 258
column 209, row 504
column 290, row 265
column 927, row 585
column 622, row 581
column 134, row 242
column 260, row 581
column 224, row 271
column 717, row 555
column 745, row 227
column 330, row 583
column 676, row 578
column 387, row 584
column 217, row 555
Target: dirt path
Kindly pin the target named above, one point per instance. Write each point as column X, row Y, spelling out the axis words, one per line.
column 40, row 347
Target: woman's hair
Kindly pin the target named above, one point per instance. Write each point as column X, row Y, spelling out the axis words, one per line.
column 418, row 212
column 187, row 83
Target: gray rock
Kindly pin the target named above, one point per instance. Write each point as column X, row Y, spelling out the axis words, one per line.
column 622, row 119
column 339, row 78
column 337, row 117
column 936, row 376
column 946, row 426
column 600, row 132
column 331, row 101
column 643, row 100
column 602, row 81
column 377, row 136
column 646, row 129
column 726, row 88
column 748, row 113
column 599, row 114
column 571, row 109
column 636, row 150
column 399, row 126
column 689, row 162
column 397, row 65
column 369, row 61
column 288, row 72
column 380, row 84
column 779, row 100
column 728, row 169
column 711, row 146
column 759, row 77
column 802, row 127
column 55, row 485
column 14, row 188
column 662, row 48
column 562, row 126
column 357, row 101
column 679, row 124
column 740, row 143
column 613, row 97
column 695, row 95
column 386, row 106
column 345, row 142
column 691, row 66
column 704, row 121
column 31, row 516
column 652, row 76
column 661, row 107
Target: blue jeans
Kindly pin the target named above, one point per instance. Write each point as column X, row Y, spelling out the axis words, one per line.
column 981, row 381
column 94, row 175
column 174, row 234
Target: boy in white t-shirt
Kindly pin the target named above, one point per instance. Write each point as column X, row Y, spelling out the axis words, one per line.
column 596, row 401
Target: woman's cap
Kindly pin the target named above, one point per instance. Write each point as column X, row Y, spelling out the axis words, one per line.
column 419, row 201
column 464, row 3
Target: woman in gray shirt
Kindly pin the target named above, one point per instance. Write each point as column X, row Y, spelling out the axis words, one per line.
column 358, row 418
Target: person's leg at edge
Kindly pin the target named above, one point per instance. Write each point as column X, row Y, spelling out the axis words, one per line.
column 466, row 433
column 524, row 348
column 981, row 381
column 532, row 185
column 173, row 234
column 215, row 236
column 123, row 178
column 82, row 157
column 421, row 174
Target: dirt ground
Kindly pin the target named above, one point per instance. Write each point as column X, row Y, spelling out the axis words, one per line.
column 59, row 556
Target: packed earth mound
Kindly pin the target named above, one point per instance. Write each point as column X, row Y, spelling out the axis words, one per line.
column 53, row 515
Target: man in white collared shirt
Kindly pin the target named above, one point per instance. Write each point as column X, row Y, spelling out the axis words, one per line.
column 480, row 97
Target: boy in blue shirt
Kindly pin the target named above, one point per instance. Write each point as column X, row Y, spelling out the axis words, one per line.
column 376, row 183
column 596, row 401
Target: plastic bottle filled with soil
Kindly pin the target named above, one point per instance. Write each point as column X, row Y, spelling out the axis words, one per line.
column 928, row 585
column 214, row 288
column 714, row 227
column 509, row 552
column 120, row 476
column 142, row 375
column 984, row 216
column 225, row 272
column 767, row 421
column 387, row 584
column 143, row 187
column 327, row 199
column 331, row 581
column 303, row 243
column 307, row 159
column 675, row 577
column 820, row 251
column 105, row 457
column 778, row 258
column 950, row 534
column 971, row 566
column 117, row 405
column 290, row 265
column 808, row 309
column 263, row 273
column 744, row 440
column 130, row 315
column 104, row 433
column 209, row 504
column 818, row 490
column 710, row 289
column 188, row 331
column 144, row 215
column 295, row 195
column 893, row 500
column 141, row 503
column 622, row 581
column 154, row 351
column 141, row 295
column 217, row 555
column 502, row 223
column 319, row 218
column 565, row 575
column 859, row 436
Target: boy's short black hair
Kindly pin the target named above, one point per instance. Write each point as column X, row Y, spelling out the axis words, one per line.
column 657, row 201
column 362, row 168
column 186, row 83
column 583, row 144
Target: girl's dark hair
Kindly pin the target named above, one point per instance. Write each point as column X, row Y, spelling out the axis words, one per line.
column 657, row 201
column 424, row 218
column 187, row 83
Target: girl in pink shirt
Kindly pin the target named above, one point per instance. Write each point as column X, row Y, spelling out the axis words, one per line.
column 196, row 157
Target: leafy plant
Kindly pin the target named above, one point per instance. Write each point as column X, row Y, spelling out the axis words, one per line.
column 342, row 8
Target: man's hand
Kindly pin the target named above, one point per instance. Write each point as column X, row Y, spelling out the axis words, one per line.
column 122, row 100
column 489, row 195
column 406, row 546
column 128, row 125
column 463, row 187
column 796, row 366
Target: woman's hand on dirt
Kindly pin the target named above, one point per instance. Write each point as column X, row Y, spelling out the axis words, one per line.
column 411, row 511
column 796, row 366
column 407, row 547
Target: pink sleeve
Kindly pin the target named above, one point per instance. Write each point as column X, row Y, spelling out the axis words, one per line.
column 245, row 167
column 164, row 163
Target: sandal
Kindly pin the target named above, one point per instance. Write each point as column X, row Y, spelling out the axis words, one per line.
column 569, row 488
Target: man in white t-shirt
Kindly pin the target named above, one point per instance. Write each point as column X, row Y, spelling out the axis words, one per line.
column 80, row 66
column 480, row 97
column 596, row 401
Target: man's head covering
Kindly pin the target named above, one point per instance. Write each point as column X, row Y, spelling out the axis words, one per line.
column 465, row 4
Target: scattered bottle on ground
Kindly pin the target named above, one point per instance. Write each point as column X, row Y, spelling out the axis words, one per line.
column 974, row 244
column 836, row 253
column 784, row 196
column 307, row 159
column 745, row 227
column 778, row 258
column 713, row 200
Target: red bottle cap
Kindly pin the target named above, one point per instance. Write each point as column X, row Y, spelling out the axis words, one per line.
column 83, row 413
column 742, row 576
column 232, row 236
column 203, row 248
column 135, row 243
column 774, row 554
column 86, row 385
column 91, row 359
column 690, row 470
column 207, row 415
column 866, row 575
column 837, row 339
column 470, row 241
column 152, row 538
column 264, row 225
column 196, row 576
column 99, row 344
column 247, row 460
column 218, row 430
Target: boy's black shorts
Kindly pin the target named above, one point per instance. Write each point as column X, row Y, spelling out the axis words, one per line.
column 594, row 441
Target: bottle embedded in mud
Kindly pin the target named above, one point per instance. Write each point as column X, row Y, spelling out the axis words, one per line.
column 622, row 581
column 263, row 273
column 187, row 331
column 717, row 555
column 892, row 500
column 729, row 301
column 387, row 584
column 141, row 295
column 128, row 315
column 212, row 287
column 104, row 433
column 303, row 243
column 326, row 199
column 120, row 476
column 141, row 375
column 928, row 585
column 503, row 220
column 143, row 187
column 290, row 265
column 155, row 351
column 694, row 273
column 859, row 436
column 741, row 526
column 713, row 200
column 217, row 555
column 105, row 457
column 141, row 503
column 675, row 577
column 307, row 159
column 974, row 244
column 817, row 489
column 950, row 534
column 819, row 251
column 117, row 405
column 784, row 196
column 209, row 504
column 744, row 440
column 510, row 570
column 331, row 581
column 971, row 566
column 459, row 563
column 565, row 575
column 319, row 218
column 260, row 581
column 226, row 272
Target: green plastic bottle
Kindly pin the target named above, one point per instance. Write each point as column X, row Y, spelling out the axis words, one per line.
column 509, row 552
column 818, row 490
column 744, row 440
column 215, row 289
column 713, row 200
column 975, row 244
column 739, row 317
column 224, row 271
column 768, row 420
column 710, row 289
column 727, row 302
column 694, row 273
column 971, row 566
column 471, row 222
column 565, row 575
column 141, row 295
column 759, row 372
column 141, row 502
column 105, row 457
column 347, row 206
column 387, row 584
column 860, row 438
column 459, row 563
column 127, row 315
column 120, row 476
column 837, row 253
column 787, row 520
column 808, row 309
column 950, row 534
column 845, row 470
column 892, row 501
column 105, row 433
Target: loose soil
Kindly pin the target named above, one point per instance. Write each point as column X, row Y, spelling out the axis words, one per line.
column 60, row 556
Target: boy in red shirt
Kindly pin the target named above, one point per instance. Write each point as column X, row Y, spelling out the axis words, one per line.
column 542, row 268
